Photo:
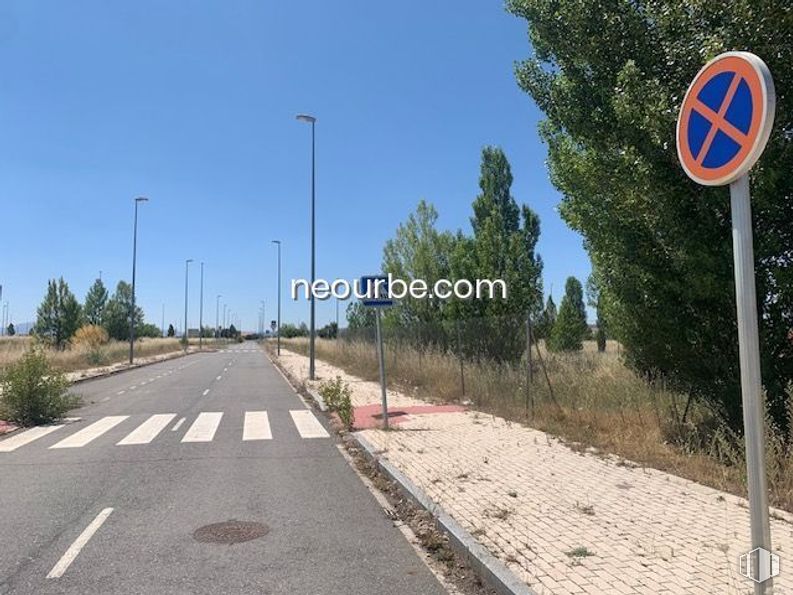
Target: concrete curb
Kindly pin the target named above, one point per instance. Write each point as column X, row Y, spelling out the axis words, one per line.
column 318, row 399
column 492, row 571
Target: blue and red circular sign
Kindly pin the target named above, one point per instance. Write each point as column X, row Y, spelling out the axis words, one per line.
column 726, row 118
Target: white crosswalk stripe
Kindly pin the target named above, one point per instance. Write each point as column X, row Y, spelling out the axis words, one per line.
column 307, row 425
column 203, row 428
column 257, row 426
column 26, row 437
column 91, row 432
column 148, row 430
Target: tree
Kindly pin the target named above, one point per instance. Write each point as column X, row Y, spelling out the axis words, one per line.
column 593, row 295
column 418, row 251
column 147, row 329
column 11, row 331
column 329, row 331
column 546, row 320
column 171, row 331
column 503, row 247
column 359, row 316
column 59, row 315
column 505, row 241
column 95, row 303
column 610, row 77
column 570, row 328
column 117, row 312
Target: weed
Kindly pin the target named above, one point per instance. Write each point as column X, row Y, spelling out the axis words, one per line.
column 337, row 396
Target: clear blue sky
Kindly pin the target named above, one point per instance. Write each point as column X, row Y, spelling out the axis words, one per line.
column 193, row 103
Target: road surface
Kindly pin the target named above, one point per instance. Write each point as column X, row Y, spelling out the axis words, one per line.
column 111, row 503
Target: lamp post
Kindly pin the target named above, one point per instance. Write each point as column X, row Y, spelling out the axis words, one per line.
column 217, row 316
column 223, row 328
column 278, row 290
column 201, row 313
column 311, row 120
column 186, row 277
column 138, row 200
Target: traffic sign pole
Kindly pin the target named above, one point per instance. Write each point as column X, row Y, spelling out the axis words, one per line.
column 751, row 383
column 724, row 125
column 381, row 359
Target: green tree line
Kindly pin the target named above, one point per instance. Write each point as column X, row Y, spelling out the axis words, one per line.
column 610, row 78
column 502, row 245
column 60, row 314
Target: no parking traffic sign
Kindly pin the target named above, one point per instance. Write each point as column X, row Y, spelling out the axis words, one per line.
column 726, row 118
column 724, row 124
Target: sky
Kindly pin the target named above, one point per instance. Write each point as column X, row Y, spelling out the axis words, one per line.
column 193, row 105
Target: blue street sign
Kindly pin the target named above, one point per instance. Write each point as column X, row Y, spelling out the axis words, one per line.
column 368, row 286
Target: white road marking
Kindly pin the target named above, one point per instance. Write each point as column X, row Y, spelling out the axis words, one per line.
column 132, row 387
column 225, row 369
column 121, row 392
column 148, row 430
column 27, row 437
column 203, row 428
column 90, row 433
column 178, row 425
column 307, row 425
column 219, row 377
column 106, row 399
column 257, row 426
column 79, row 543
column 205, row 393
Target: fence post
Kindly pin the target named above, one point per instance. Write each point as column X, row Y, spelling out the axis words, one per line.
column 529, row 366
column 460, row 354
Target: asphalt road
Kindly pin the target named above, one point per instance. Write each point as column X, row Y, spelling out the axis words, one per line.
column 81, row 513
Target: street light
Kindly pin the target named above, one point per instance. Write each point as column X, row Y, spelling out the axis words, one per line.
column 201, row 313
column 217, row 316
column 138, row 200
column 186, row 276
column 278, row 289
column 311, row 120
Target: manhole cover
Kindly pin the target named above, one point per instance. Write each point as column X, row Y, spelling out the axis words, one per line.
column 230, row 532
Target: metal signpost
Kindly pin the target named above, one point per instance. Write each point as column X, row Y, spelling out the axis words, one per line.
column 369, row 285
column 724, row 124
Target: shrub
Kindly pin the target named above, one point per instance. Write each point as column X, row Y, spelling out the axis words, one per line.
column 91, row 335
column 337, row 396
column 33, row 392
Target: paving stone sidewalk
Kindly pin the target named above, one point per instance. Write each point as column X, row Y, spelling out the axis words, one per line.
column 567, row 522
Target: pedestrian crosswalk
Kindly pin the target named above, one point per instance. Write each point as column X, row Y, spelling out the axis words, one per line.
column 141, row 430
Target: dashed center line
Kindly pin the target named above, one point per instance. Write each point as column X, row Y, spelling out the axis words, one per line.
column 219, row 377
column 121, row 392
column 206, row 392
column 178, row 425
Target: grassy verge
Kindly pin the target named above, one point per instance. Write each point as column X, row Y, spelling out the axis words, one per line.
column 82, row 357
column 589, row 399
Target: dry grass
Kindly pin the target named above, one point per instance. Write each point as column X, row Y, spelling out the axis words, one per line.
column 83, row 357
column 594, row 402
